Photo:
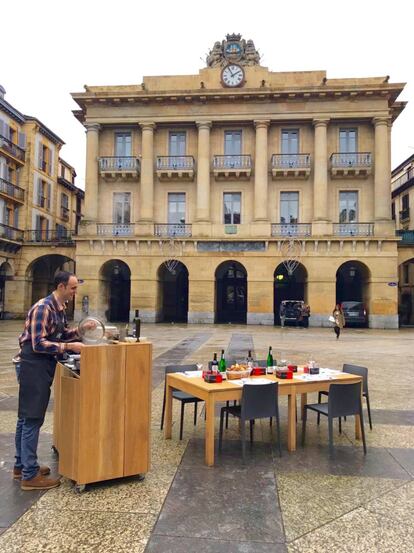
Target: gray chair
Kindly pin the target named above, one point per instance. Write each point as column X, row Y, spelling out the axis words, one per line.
column 258, row 401
column 360, row 371
column 343, row 400
column 180, row 396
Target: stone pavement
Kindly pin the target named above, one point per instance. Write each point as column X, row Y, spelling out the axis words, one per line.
column 303, row 502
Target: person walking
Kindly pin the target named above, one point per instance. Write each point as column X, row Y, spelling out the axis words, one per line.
column 282, row 314
column 45, row 336
column 339, row 319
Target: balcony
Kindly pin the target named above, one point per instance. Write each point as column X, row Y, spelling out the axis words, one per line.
column 232, row 167
column 115, row 229
column 291, row 229
column 11, row 238
column 11, row 191
column 407, row 237
column 405, row 215
column 10, row 149
column 175, row 168
column 64, row 213
column 291, row 165
column 353, row 229
column 125, row 167
column 47, row 237
column 352, row 164
column 171, row 230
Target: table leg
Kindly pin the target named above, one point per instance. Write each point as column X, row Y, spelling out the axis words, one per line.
column 303, row 402
column 209, row 439
column 168, row 412
column 292, row 422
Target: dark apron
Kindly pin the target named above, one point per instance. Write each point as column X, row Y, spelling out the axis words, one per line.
column 36, row 377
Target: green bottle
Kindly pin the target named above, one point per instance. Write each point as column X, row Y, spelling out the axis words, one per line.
column 269, row 360
column 222, row 364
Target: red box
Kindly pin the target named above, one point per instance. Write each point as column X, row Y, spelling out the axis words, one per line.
column 284, row 373
column 293, row 368
column 258, row 371
column 213, row 378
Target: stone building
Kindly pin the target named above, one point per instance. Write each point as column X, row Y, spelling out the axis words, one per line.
column 199, row 186
column 40, row 207
column 402, row 185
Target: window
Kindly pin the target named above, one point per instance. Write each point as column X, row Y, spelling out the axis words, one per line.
column 406, row 273
column 393, row 211
column 348, row 207
column 289, row 207
column 61, row 231
column 290, row 141
column 64, row 200
column 122, row 208
column 348, row 141
column 405, row 202
column 123, row 144
column 232, row 204
column 176, row 208
column 232, row 143
column 44, row 194
column 177, row 144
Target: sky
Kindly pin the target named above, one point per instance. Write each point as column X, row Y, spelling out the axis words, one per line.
column 55, row 47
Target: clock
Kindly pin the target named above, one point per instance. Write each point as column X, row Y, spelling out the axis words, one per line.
column 232, row 75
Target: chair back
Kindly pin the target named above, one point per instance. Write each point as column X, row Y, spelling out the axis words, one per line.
column 344, row 399
column 259, row 401
column 180, row 368
column 360, row 371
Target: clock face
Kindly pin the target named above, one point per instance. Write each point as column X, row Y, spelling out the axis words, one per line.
column 232, row 75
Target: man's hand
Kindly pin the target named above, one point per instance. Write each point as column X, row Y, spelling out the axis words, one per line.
column 75, row 346
column 89, row 325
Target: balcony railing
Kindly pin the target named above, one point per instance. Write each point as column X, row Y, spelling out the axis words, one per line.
column 11, row 190
column 232, row 162
column 10, row 233
column 353, row 229
column 352, row 159
column 38, row 236
column 407, row 236
column 404, row 214
column 291, row 229
column 115, row 229
column 11, row 148
column 403, row 179
column 119, row 164
column 172, row 230
column 64, row 212
column 175, row 162
column 291, row 161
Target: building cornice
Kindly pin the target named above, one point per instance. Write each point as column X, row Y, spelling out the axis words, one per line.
column 50, row 135
column 11, row 111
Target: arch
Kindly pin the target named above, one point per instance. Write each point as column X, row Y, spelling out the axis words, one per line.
column 115, row 290
column 353, row 285
column 289, row 287
column 231, row 293
column 6, row 273
column 406, row 293
column 173, row 293
column 40, row 275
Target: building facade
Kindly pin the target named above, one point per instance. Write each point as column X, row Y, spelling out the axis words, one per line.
column 402, row 184
column 39, row 210
column 199, row 188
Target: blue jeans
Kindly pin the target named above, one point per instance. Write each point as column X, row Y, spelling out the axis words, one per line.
column 26, row 440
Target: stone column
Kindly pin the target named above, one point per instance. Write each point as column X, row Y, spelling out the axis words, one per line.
column 203, row 172
column 147, row 173
column 91, row 175
column 261, row 173
column 320, row 179
column 382, row 173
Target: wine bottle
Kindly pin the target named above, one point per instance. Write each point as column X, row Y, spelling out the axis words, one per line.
column 137, row 324
column 222, row 364
column 214, row 364
column 269, row 360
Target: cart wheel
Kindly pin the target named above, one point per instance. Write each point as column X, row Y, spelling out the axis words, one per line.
column 55, row 451
column 80, row 488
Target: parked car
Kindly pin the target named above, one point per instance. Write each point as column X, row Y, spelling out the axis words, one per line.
column 296, row 312
column 354, row 313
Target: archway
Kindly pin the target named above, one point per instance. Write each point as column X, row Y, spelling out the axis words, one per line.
column 406, row 293
column 116, row 290
column 288, row 287
column 6, row 273
column 231, row 293
column 41, row 274
column 352, row 282
column 174, row 294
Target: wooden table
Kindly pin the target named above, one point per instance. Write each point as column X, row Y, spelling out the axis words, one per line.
column 228, row 391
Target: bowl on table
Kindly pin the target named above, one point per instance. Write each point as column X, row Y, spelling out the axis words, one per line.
column 238, row 371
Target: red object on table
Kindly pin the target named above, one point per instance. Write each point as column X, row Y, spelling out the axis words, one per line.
column 305, row 369
column 258, row 371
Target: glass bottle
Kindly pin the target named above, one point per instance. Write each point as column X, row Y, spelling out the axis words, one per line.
column 137, row 325
column 214, row 364
column 269, row 360
column 249, row 359
column 222, row 364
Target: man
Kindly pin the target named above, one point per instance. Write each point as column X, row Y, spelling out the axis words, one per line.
column 45, row 336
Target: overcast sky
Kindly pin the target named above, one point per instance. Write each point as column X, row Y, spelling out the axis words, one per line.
column 53, row 47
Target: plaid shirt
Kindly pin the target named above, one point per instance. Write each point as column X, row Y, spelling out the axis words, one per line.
column 41, row 323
